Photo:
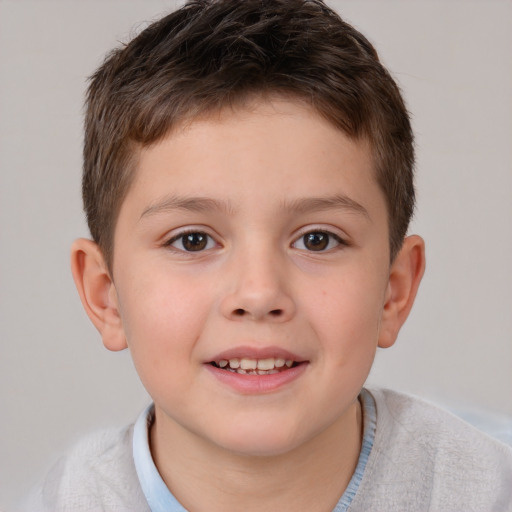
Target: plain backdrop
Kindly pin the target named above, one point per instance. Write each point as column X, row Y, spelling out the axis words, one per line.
column 452, row 61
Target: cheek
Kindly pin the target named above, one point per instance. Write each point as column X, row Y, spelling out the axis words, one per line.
column 162, row 318
column 347, row 312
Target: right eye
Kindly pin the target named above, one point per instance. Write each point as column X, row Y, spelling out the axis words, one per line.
column 192, row 241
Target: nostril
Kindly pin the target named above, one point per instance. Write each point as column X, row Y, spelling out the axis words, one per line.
column 240, row 312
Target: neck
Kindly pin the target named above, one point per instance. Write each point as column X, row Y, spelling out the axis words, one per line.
column 205, row 477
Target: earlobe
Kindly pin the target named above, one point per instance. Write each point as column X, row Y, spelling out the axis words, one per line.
column 97, row 292
column 404, row 279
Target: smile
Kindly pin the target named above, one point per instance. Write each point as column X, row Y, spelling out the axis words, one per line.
column 250, row 366
column 255, row 371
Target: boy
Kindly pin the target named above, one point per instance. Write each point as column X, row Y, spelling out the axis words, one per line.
column 248, row 186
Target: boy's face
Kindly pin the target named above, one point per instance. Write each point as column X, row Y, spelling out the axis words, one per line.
column 256, row 234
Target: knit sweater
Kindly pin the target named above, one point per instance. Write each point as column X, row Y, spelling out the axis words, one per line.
column 422, row 458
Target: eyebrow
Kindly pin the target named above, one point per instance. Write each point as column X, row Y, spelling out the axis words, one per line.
column 299, row 206
column 318, row 204
column 193, row 204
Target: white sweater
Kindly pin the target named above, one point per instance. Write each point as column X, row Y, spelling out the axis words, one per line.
column 423, row 459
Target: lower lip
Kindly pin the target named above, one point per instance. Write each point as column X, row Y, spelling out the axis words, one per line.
column 257, row 384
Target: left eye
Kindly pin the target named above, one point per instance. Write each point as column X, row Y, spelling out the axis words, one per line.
column 193, row 241
column 317, row 241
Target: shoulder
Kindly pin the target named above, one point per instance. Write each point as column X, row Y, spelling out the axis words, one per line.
column 425, row 425
column 424, row 454
column 98, row 473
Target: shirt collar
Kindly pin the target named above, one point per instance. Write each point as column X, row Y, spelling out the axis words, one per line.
column 157, row 494
column 160, row 499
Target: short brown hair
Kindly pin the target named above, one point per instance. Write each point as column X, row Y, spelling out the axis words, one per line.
column 210, row 54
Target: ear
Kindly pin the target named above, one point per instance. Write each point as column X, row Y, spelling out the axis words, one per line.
column 404, row 279
column 97, row 292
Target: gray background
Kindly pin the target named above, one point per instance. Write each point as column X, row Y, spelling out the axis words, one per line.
column 57, row 382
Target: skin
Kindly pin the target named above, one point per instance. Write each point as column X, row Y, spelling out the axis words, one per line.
column 257, row 285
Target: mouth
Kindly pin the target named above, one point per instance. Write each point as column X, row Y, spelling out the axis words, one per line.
column 251, row 366
column 252, row 371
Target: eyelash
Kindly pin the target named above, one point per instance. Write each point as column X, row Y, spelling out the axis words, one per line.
column 331, row 237
column 182, row 235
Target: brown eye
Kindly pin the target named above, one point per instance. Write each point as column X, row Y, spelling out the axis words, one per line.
column 317, row 241
column 192, row 242
column 195, row 241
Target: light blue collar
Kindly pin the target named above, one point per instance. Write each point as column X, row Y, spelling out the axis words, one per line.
column 369, row 427
column 157, row 494
column 160, row 499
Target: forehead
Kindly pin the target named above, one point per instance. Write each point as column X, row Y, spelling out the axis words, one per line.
column 251, row 154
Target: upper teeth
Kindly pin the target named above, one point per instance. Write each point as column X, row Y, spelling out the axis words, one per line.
column 245, row 363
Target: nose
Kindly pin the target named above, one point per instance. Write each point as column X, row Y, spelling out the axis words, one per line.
column 257, row 289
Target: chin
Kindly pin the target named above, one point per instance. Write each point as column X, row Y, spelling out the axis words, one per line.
column 263, row 450
column 259, row 441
